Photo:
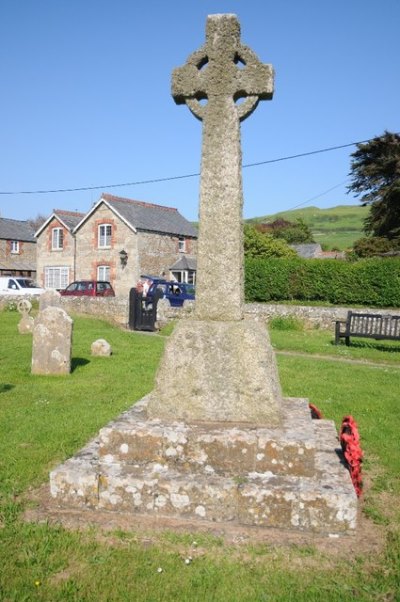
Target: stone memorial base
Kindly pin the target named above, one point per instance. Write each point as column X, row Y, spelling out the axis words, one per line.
column 218, row 372
column 289, row 477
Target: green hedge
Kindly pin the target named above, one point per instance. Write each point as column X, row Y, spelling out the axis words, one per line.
column 372, row 282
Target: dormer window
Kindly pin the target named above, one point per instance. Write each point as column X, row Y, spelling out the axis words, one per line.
column 181, row 245
column 105, row 233
column 57, row 239
column 14, row 246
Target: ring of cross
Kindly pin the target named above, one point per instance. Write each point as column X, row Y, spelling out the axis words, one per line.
column 24, row 306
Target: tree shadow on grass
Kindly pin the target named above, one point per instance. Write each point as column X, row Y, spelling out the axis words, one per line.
column 4, row 387
column 77, row 362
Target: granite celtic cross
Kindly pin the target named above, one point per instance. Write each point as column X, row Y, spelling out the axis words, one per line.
column 221, row 83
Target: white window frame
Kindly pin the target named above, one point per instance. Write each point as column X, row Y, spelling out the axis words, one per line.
column 14, row 247
column 182, row 244
column 185, row 276
column 103, row 273
column 57, row 239
column 104, row 236
column 56, row 277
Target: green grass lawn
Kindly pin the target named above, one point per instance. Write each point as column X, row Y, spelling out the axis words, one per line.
column 44, row 420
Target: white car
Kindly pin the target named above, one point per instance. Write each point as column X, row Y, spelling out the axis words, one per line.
column 18, row 285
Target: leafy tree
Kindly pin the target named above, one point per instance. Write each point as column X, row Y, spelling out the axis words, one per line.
column 36, row 222
column 263, row 246
column 293, row 232
column 375, row 173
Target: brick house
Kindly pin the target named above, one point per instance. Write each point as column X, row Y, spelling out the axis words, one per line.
column 56, row 252
column 117, row 240
column 17, row 248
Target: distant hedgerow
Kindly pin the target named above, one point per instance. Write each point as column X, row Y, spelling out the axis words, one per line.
column 373, row 282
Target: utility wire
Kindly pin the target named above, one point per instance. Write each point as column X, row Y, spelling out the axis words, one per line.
column 192, row 175
column 317, row 196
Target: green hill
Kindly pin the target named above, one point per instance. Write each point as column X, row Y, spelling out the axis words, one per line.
column 334, row 227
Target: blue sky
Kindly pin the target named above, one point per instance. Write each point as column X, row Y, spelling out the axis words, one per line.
column 86, row 99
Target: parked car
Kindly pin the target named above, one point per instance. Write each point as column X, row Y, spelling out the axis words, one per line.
column 89, row 288
column 18, row 285
column 175, row 292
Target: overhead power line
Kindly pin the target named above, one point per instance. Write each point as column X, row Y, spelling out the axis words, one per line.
column 181, row 177
column 317, row 196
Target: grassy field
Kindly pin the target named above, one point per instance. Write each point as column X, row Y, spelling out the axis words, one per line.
column 334, row 227
column 43, row 420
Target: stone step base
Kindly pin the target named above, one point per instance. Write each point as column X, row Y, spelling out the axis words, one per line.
column 323, row 503
column 212, row 448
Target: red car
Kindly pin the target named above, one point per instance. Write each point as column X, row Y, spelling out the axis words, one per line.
column 89, row 288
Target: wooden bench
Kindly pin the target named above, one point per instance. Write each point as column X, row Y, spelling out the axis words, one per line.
column 371, row 326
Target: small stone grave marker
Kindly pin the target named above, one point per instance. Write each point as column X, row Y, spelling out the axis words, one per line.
column 26, row 323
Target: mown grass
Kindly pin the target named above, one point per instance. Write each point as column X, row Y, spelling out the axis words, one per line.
column 43, row 420
column 322, row 342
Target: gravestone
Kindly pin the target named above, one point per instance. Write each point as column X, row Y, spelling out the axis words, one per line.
column 26, row 323
column 52, row 342
column 50, row 298
column 215, row 442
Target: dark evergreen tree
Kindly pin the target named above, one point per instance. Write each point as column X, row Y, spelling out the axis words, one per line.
column 375, row 173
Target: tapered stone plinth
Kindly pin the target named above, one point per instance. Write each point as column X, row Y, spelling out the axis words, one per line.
column 220, row 372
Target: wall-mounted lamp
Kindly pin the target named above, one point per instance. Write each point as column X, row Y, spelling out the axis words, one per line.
column 123, row 256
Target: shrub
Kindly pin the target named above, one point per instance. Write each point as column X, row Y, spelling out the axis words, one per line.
column 372, row 245
column 263, row 246
column 374, row 282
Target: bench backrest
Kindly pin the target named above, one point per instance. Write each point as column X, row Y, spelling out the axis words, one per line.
column 373, row 324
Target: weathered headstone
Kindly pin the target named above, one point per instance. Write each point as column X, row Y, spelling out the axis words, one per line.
column 225, row 362
column 50, row 298
column 52, row 342
column 26, row 323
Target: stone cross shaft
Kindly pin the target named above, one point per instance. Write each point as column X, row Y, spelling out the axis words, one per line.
column 221, row 83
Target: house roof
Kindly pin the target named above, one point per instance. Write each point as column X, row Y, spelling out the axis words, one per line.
column 13, row 229
column 19, row 264
column 69, row 219
column 184, row 263
column 140, row 215
column 308, row 251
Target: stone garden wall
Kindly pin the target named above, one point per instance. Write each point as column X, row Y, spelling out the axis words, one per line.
column 113, row 309
column 116, row 310
column 312, row 317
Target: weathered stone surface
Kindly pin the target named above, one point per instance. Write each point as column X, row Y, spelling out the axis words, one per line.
column 218, row 371
column 258, row 499
column 214, row 448
column 26, row 324
column 52, row 342
column 222, row 82
column 186, row 471
column 101, row 347
column 50, row 298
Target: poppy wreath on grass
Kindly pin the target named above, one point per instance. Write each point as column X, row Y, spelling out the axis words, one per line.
column 350, row 441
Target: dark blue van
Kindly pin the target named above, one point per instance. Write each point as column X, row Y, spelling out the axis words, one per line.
column 175, row 292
